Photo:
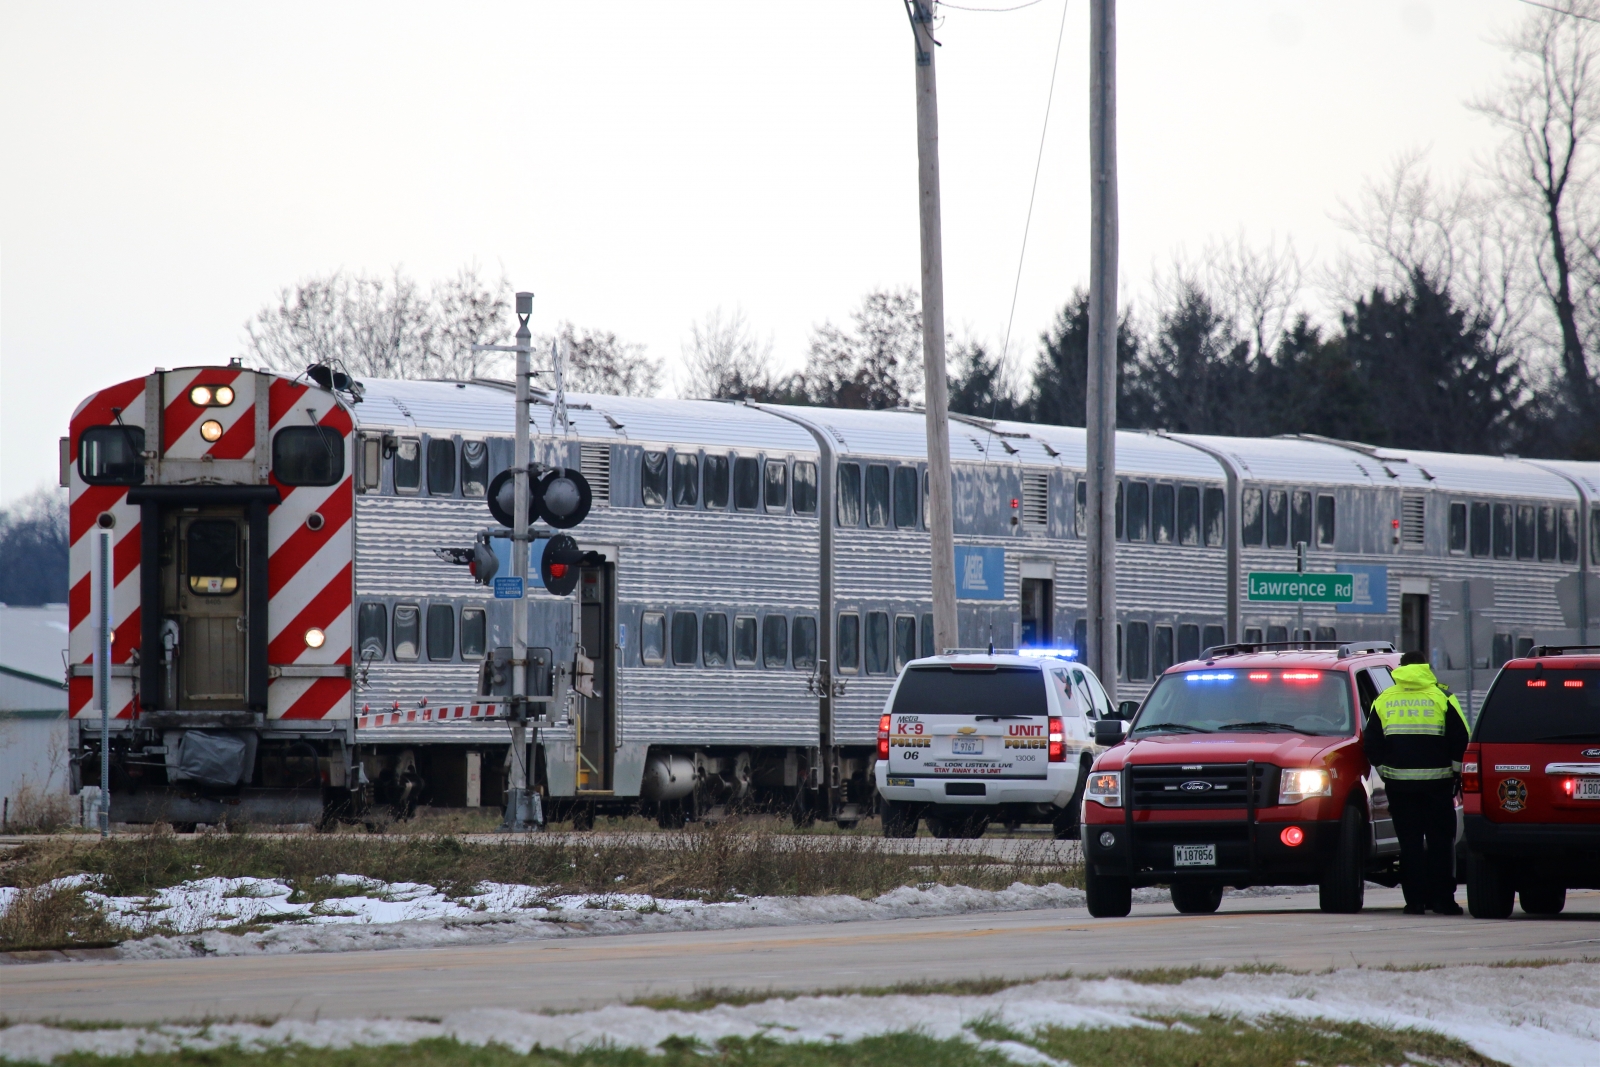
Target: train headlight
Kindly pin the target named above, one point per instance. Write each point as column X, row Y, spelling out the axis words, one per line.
column 223, row 395
column 211, row 429
column 315, row 638
column 200, row 396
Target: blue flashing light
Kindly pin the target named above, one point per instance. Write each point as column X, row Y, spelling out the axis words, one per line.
column 1048, row 653
column 1207, row 676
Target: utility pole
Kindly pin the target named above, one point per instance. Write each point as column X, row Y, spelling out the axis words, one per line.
column 1101, row 416
column 519, row 814
column 936, row 389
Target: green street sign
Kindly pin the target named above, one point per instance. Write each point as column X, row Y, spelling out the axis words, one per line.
column 1292, row 588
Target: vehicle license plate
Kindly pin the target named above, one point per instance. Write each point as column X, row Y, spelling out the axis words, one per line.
column 1588, row 789
column 1194, row 855
column 966, row 746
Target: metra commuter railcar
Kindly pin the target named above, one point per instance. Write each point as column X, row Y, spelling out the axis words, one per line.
column 287, row 642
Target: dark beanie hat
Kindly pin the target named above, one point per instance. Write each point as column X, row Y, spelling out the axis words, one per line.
column 1411, row 658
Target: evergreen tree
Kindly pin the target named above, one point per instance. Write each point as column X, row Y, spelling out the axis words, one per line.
column 1060, row 390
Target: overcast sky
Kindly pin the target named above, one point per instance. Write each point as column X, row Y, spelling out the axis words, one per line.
column 165, row 169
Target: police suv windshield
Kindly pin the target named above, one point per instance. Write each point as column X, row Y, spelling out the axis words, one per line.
column 1287, row 700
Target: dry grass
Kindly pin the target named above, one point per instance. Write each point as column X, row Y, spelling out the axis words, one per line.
column 47, row 917
column 37, row 811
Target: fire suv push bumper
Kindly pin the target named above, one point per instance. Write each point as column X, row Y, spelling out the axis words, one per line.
column 1248, row 851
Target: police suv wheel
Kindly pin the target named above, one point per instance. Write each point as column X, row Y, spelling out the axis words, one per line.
column 899, row 819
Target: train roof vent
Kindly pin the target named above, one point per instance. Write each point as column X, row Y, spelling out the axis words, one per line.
column 1413, row 521
column 1036, row 499
column 594, row 461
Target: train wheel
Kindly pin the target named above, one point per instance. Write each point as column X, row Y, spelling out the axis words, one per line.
column 671, row 814
column 583, row 815
column 802, row 812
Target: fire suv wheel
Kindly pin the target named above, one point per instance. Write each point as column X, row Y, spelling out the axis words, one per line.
column 899, row 819
column 1068, row 821
column 672, row 814
column 1196, row 898
column 1490, row 894
column 1108, row 897
column 1343, row 888
column 1543, row 899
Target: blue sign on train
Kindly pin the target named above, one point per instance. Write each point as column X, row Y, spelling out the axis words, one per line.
column 1371, row 589
column 980, row 573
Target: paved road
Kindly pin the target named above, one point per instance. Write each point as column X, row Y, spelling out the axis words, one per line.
column 585, row 972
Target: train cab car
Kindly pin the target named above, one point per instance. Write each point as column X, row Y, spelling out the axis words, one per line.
column 1243, row 768
column 1531, row 785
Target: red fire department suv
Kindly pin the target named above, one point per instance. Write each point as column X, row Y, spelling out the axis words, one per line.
column 1530, row 781
column 1243, row 768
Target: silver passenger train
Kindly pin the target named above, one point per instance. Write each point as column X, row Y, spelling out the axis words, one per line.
column 766, row 575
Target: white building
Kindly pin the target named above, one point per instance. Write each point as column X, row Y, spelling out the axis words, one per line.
column 33, row 702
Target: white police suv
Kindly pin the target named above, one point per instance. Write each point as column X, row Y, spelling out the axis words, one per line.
column 971, row 737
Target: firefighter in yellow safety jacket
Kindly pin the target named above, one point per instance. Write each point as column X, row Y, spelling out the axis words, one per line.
column 1415, row 735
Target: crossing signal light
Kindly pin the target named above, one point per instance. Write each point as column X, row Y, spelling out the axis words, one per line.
column 479, row 560
column 561, row 499
column 562, row 564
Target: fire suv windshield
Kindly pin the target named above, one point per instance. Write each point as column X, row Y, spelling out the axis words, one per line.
column 1288, row 700
column 960, row 691
column 1528, row 706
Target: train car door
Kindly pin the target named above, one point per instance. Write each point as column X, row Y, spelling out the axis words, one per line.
column 204, row 614
column 595, row 716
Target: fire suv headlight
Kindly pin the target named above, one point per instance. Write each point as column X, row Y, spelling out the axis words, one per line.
column 1105, row 787
column 315, row 638
column 1297, row 785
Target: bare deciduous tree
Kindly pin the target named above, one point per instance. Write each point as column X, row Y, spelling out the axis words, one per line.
column 597, row 361
column 384, row 328
column 879, row 364
column 724, row 360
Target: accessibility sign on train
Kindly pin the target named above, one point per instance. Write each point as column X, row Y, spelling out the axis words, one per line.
column 1287, row 586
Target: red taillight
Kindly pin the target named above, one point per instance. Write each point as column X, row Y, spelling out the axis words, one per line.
column 1259, row 676
column 1471, row 780
column 883, row 737
column 1535, row 683
column 1302, row 676
column 1573, row 683
column 1058, row 737
column 1292, row 836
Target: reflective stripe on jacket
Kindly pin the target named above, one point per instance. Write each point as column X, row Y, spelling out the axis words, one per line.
column 1416, row 731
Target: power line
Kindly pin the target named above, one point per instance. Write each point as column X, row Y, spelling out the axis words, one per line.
column 1562, row 11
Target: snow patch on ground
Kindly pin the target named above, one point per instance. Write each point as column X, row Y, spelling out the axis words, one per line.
column 1538, row 1017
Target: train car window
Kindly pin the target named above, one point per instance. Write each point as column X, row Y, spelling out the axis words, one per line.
column 1327, row 633
column 1163, row 514
column 1138, row 651
column 1277, row 518
column 1527, row 521
column 1216, row 517
column 1300, row 517
column 685, row 479
column 848, row 652
column 928, row 647
column 1212, row 636
column 877, row 642
column 714, row 639
column 407, row 465
column 308, row 455
column 441, row 630
column 652, row 639
column 1326, row 514
column 1120, row 514
column 211, row 550
column 877, row 495
column 905, row 498
column 1480, row 528
column 1504, row 531
column 1504, row 648
column 1119, row 650
column 441, row 467
column 111, row 455
column 371, row 463
column 1458, row 527
column 653, row 479
column 685, row 638
column 1594, row 535
column 1080, row 509
column 1252, row 519
column 1569, row 535
column 407, row 631
column 1188, row 515
column 1188, row 642
column 474, row 468
column 746, row 483
column 474, row 633
column 805, row 488
column 1080, row 637
column 805, row 643
column 905, row 640
column 925, row 484
column 777, row 486
column 716, row 483
column 744, row 641
column 372, row 631
column 1161, row 651
column 848, row 488
column 1524, row 646
column 1277, row 634
column 775, row 641
column 1547, row 533
column 1138, row 514
column 1252, row 636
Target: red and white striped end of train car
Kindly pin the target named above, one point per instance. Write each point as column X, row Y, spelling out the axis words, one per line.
column 227, row 496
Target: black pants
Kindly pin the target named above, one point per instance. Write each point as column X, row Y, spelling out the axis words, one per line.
column 1425, row 822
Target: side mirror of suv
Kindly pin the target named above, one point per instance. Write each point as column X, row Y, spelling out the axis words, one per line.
column 1127, row 709
column 1108, row 732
